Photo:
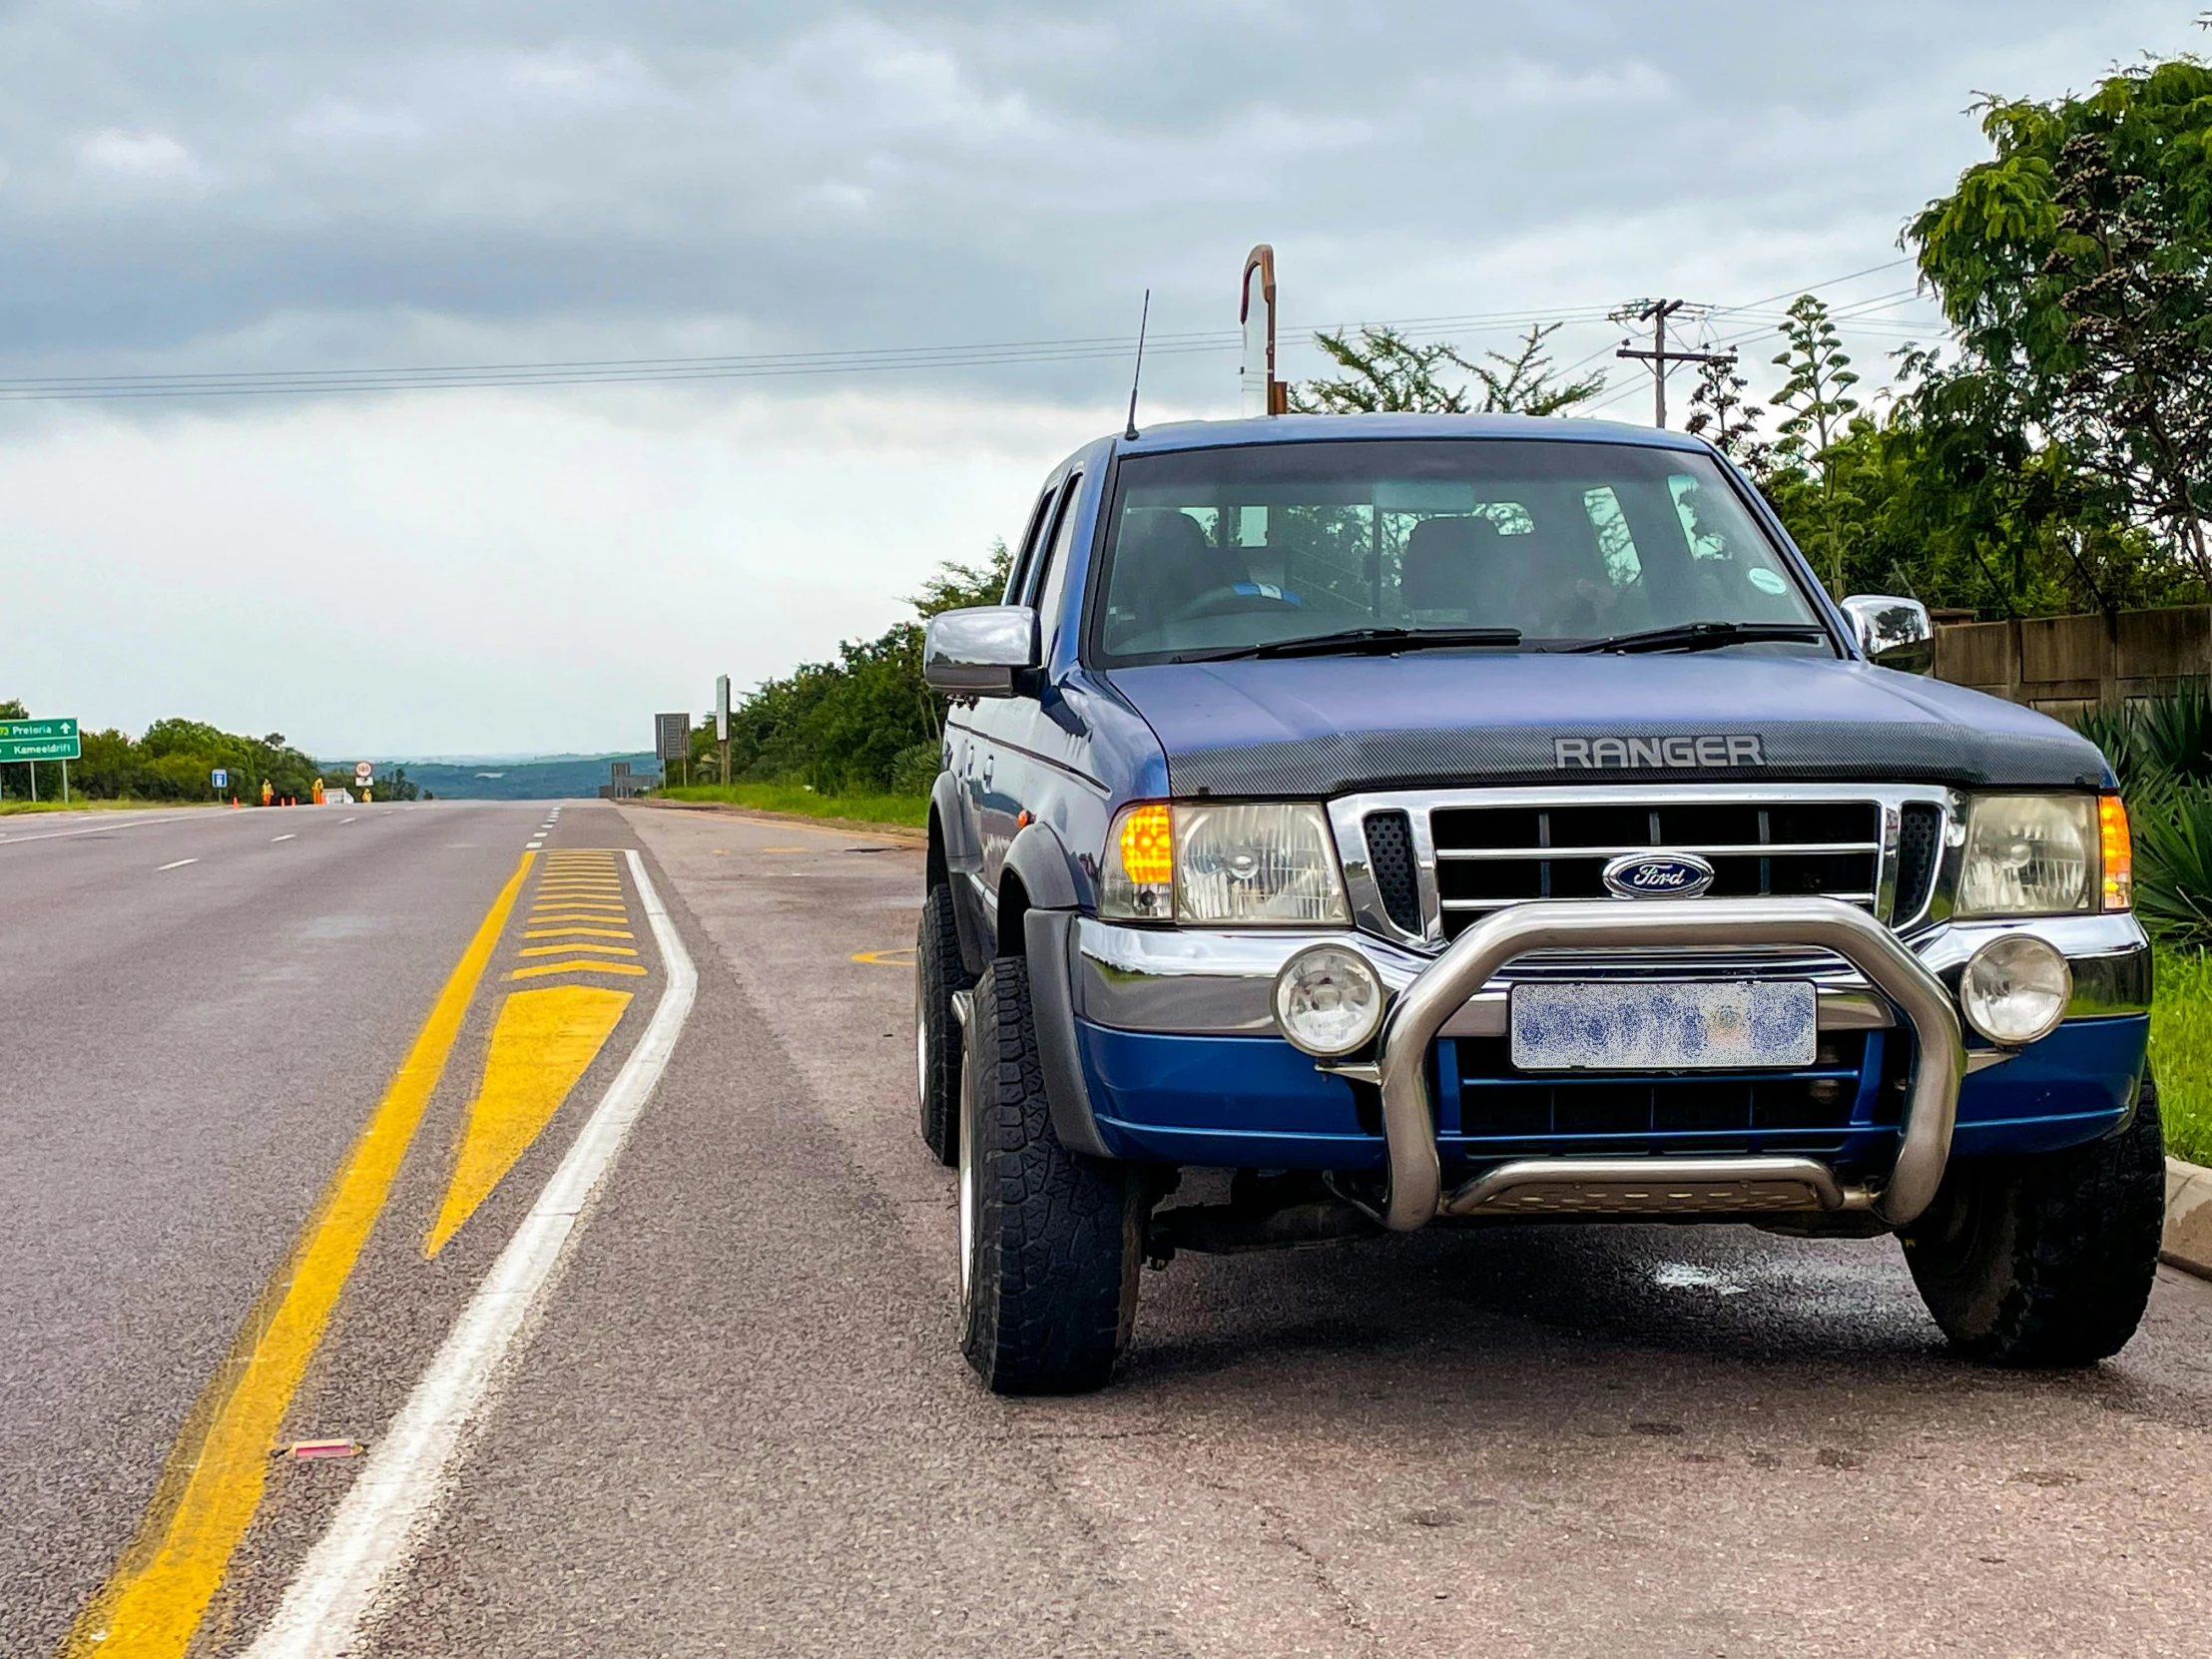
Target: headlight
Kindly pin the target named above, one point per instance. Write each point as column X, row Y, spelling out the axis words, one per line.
column 2030, row 855
column 1246, row 864
column 2016, row 990
column 1328, row 999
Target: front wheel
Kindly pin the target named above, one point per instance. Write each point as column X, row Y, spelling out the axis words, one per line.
column 2048, row 1260
column 1050, row 1241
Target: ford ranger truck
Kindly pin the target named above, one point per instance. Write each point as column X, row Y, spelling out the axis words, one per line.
column 1469, row 820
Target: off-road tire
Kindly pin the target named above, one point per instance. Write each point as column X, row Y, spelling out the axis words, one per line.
column 938, row 972
column 1049, row 1293
column 2048, row 1260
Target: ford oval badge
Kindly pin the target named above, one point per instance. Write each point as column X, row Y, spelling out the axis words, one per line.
column 1657, row 875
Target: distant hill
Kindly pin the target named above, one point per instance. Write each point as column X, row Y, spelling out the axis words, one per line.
column 561, row 777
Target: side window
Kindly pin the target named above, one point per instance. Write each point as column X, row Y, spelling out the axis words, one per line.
column 1048, row 569
column 1017, row 579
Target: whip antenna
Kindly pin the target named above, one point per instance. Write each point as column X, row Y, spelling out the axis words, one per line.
column 1144, row 317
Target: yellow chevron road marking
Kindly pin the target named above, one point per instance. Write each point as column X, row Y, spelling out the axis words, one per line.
column 569, row 933
column 577, row 944
column 541, row 1044
column 213, row 1482
column 543, row 968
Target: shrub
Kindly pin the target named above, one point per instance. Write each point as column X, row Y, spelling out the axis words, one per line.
column 2173, row 865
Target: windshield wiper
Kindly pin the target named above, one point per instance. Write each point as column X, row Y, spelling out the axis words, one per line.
column 1365, row 641
column 1703, row 636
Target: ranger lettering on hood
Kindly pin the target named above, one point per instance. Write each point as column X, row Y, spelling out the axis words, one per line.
column 1739, row 750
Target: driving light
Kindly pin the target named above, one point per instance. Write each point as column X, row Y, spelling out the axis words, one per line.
column 1327, row 1001
column 2030, row 855
column 2016, row 990
column 1241, row 864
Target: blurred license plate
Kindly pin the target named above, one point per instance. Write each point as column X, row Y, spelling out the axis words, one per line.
column 1628, row 1025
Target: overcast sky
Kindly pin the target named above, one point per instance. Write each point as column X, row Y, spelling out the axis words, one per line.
column 227, row 187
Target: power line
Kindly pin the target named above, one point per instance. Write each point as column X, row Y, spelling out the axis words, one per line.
column 769, row 366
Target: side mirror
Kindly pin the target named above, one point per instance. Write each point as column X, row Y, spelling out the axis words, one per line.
column 981, row 651
column 1894, row 632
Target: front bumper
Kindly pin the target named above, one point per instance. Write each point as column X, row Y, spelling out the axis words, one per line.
column 1181, row 1061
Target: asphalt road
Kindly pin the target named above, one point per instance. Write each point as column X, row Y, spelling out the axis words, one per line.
column 737, row 1424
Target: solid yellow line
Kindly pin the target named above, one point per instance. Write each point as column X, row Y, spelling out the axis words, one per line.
column 544, row 968
column 579, row 944
column 565, row 932
column 213, row 1482
column 882, row 958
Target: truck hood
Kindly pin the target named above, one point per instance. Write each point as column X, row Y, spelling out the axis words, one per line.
column 1324, row 726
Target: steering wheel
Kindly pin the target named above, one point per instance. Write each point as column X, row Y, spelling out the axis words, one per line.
column 1222, row 601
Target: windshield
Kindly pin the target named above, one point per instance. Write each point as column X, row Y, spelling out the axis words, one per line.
column 1221, row 551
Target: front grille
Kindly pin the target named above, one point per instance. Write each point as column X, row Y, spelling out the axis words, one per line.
column 1490, row 856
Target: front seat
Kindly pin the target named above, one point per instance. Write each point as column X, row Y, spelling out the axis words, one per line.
column 1165, row 562
column 1452, row 570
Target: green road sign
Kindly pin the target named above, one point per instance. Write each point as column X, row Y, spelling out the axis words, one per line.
column 37, row 739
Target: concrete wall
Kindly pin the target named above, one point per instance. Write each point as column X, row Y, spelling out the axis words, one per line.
column 2064, row 663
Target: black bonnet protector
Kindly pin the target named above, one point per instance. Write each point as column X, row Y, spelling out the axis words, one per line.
column 1795, row 752
column 1317, row 728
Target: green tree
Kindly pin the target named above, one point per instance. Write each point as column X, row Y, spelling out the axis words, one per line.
column 1384, row 373
column 1527, row 384
column 954, row 585
column 12, row 709
column 868, row 722
column 1721, row 415
column 1817, row 396
column 1387, row 373
column 2077, row 265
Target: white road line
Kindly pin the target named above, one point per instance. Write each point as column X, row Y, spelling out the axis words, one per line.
column 407, row 1474
column 179, row 864
column 345, row 821
column 101, row 830
column 274, row 839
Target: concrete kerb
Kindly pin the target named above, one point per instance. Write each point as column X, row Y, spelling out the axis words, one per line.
column 2188, row 1243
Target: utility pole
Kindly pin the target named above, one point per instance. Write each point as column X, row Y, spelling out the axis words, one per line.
column 1656, row 312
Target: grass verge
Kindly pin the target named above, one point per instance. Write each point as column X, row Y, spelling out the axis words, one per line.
column 2181, row 1052
column 78, row 804
column 910, row 810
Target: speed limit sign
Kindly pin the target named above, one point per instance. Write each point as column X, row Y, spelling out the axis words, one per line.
column 365, row 771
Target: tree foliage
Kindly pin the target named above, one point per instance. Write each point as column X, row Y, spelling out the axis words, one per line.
column 863, row 724
column 1387, row 373
column 174, row 760
column 2076, row 266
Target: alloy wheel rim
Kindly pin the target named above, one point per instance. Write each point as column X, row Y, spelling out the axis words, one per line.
column 921, row 1039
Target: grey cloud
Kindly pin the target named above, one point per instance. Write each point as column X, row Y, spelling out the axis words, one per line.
column 174, row 183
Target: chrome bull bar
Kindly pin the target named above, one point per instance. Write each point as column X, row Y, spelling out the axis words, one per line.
column 1631, row 1186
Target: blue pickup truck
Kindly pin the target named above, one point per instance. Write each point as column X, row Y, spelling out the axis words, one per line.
column 1475, row 819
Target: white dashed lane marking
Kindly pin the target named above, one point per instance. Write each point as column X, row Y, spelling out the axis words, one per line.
column 180, row 863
